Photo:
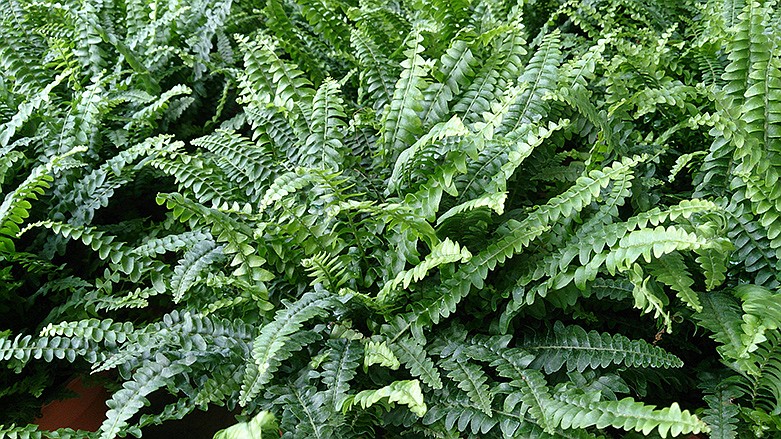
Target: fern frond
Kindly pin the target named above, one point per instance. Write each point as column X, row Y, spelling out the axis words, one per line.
column 424, row 153
column 323, row 147
column 379, row 353
column 500, row 71
column 343, row 360
column 722, row 316
column 471, row 379
column 538, row 79
column 26, row 109
column 413, row 356
column 401, row 121
column 378, row 73
column 107, row 246
column 328, row 20
column 196, row 175
column 721, row 414
column 327, row 270
column 31, row 431
column 648, row 297
column 671, row 270
column 248, row 265
column 132, row 397
column 520, row 235
column 573, row 347
column 290, row 38
column 16, row 205
column 304, row 414
column 628, row 414
column 191, row 266
column 445, row 252
column 408, row 393
column 249, row 164
column 456, row 68
column 252, row 429
column 273, row 345
column 497, row 164
column 269, row 79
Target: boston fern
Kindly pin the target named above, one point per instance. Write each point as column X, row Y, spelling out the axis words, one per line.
column 350, row 219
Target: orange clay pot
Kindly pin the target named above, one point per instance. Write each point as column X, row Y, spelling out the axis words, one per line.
column 85, row 412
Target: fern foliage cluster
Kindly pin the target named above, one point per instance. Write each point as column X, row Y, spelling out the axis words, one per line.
column 360, row 218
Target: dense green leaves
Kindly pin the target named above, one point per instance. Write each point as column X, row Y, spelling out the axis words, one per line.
column 344, row 219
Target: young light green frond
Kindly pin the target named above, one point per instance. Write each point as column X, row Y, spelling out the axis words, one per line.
column 648, row 297
column 445, row 252
column 762, row 313
column 252, row 429
column 581, row 411
column 765, row 383
column 650, row 243
column 494, row 201
column 401, row 392
column 272, row 346
column 16, row 203
column 331, row 271
column 573, row 347
column 379, row 353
